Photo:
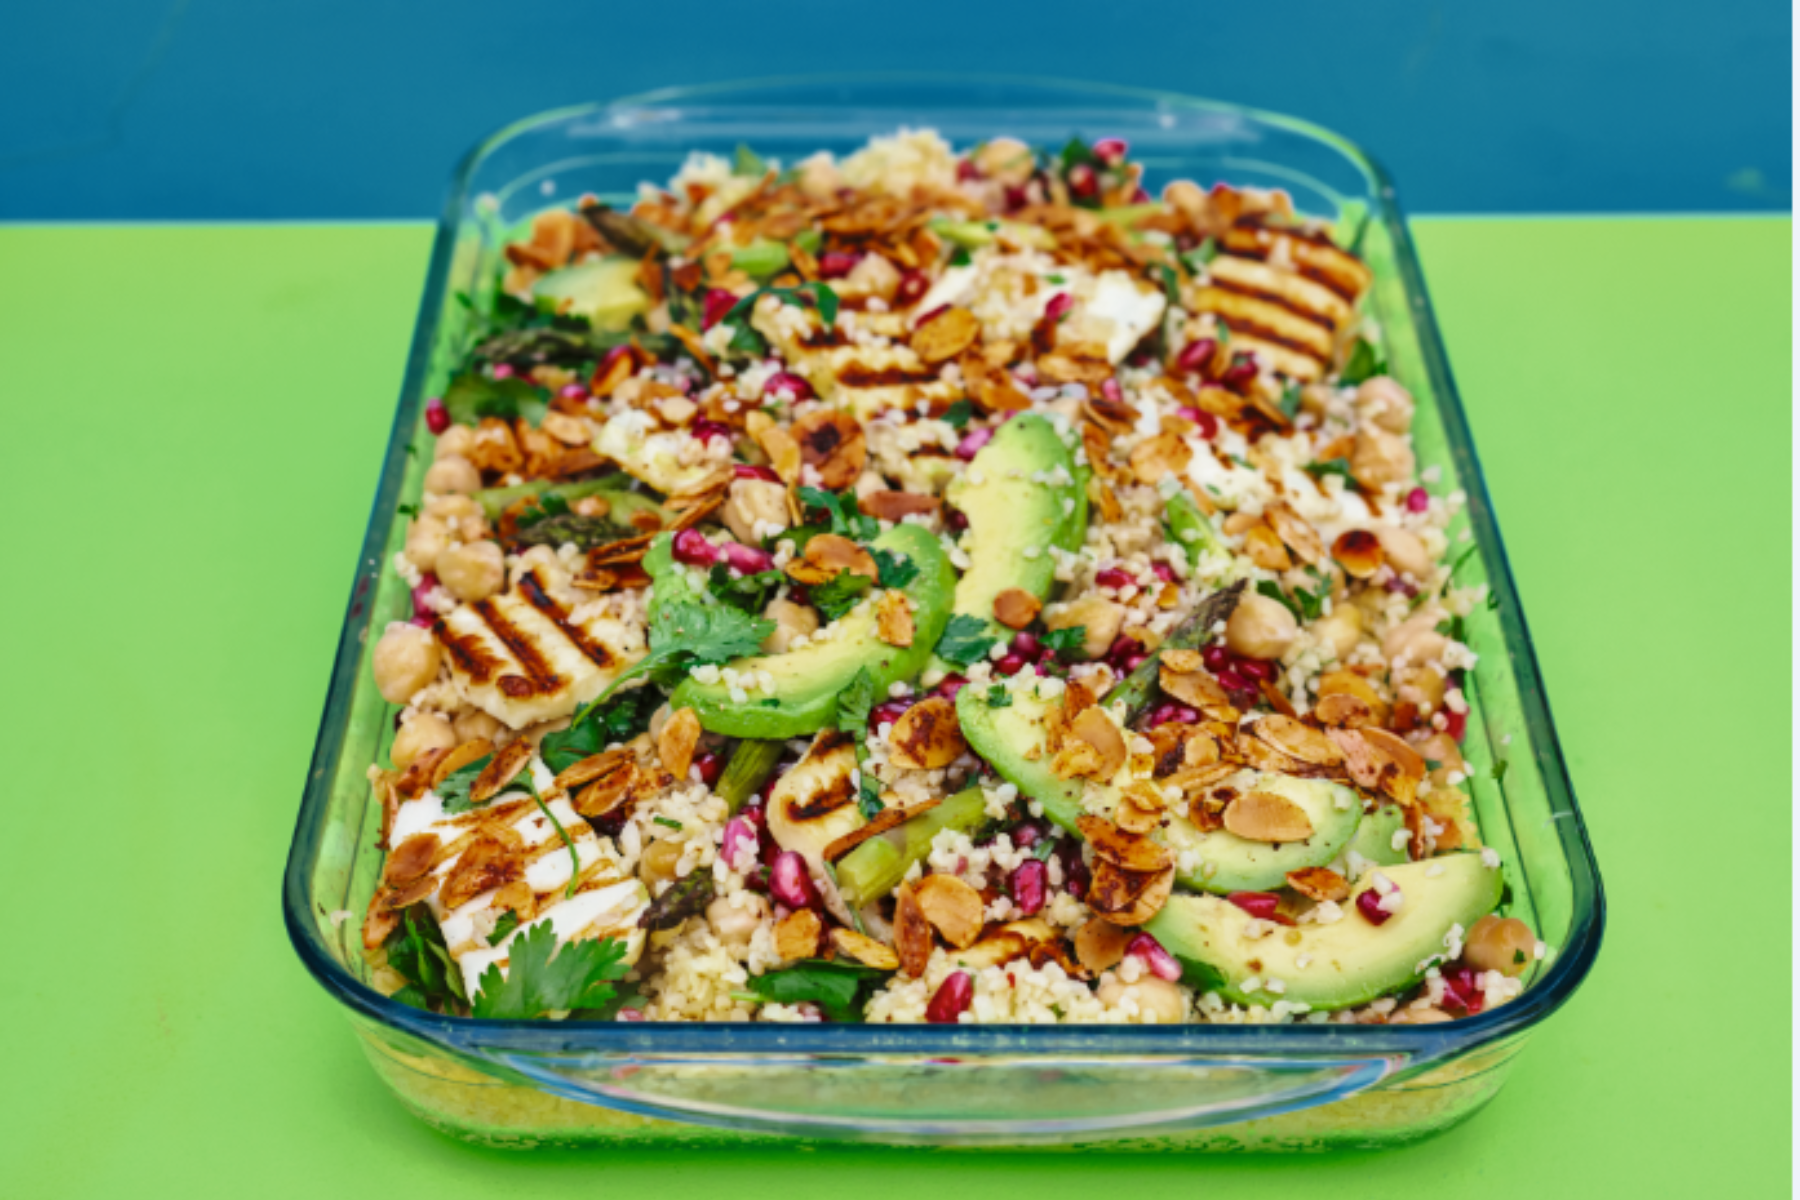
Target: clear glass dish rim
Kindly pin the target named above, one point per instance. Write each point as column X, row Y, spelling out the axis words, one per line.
column 1253, row 1044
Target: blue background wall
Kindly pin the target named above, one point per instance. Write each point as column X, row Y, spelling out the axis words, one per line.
column 358, row 108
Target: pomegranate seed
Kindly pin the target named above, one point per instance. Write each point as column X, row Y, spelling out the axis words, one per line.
column 422, row 623
column 718, row 302
column 1418, row 500
column 1163, row 571
column 1368, row 903
column 631, row 1014
column 1456, row 724
column 790, row 884
column 1058, row 306
column 1111, row 151
column 748, row 471
column 1027, row 835
column 1016, row 197
column 956, row 519
column 1010, row 664
column 1215, row 657
column 951, row 685
column 835, row 264
column 1240, row 374
column 1258, row 904
column 747, row 559
column 926, row 319
column 913, row 286
column 1256, row 668
column 1110, row 390
column 427, row 582
column 710, row 766
column 738, row 846
column 503, row 371
column 1029, row 884
column 1209, row 424
column 785, row 385
column 1139, row 195
column 971, row 445
column 1197, row 355
column 967, row 170
column 1082, row 181
column 692, row 548
column 1398, row 585
column 1027, row 646
column 1231, row 681
column 707, row 430
column 888, row 712
column 1113, row 577
column 952, row 1000
column 1076, row 875
column 573, row 391
column 437, row 417
column 1462, row 990
column 1150, row 952
column 1173, row 714
column 1134, row 662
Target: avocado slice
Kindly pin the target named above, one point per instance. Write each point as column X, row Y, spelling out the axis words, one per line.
column 1374, row 838
column 605, row 292
column 1014, row 520
column 808, row 680
column 1012, row 740
column 1348, row 962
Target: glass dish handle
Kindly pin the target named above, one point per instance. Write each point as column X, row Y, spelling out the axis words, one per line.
column 948, row 1101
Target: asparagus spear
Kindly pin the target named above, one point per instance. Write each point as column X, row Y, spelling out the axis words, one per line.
column 1192, row 633
column 495, row 501
column 875, row 868
column 751, row 764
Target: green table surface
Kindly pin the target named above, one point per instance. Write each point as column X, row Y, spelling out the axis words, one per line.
column 193, row 419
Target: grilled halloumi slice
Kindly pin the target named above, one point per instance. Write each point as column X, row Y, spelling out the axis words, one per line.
column 1312, row 256
column 864, row 379
column 607, row 901
column 814, row 804
column 1114, row 309
column 672, row 461
column 521, row 657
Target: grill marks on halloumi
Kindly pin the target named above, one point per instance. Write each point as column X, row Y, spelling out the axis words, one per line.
column 864, row 379
column 1287, row 296
column 522, row 657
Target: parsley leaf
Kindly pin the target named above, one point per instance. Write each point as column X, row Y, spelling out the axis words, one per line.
column 834, row 987
column 839, row 595
column 868, row 799
column 998, row 697
column 684, row 635
column 855, row 701
column 895, row 569
column 509, row 921
column 1171, row 289
column 958, row 414
column 1272, row 590
column 1290, row 401
column 1337, row 466
column 751, row 593
column 615, row 723
column 846, row 519
column 1064, row 641
column 1365, row 363
column 543, row 979
column 1200, row 255
column 454, row 791
column 966, row 640
column 419, row 954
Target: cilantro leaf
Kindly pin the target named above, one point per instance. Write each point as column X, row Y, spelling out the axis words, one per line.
column 868, row 797
column 1200, row 255
column 966, row 640
column 541, row 978
column 454, row 791
column 834, row 987
column 855, row 701
column 1337, row 466
column 998, row 697
column 684, row 635
column 509, row 921
column 613, row 724
column 896, row 570
column 751, row 593
column 846, row 519
column 1290, row 401
column 958, row 414
column 1272, row 590
column 1171, row 288
column 1064, row 641
column 472, row 396
column 1365, row 363
column 417, row 951
column 840, row 594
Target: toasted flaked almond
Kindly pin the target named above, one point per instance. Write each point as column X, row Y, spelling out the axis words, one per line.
column 494, row 858
column 1101, row 495
column 1349, row 683
column 1077, row 365
column 1402, row 782
column 1299, row 741
column 507, row 764
column 608, row 791
column 1265, row 549
column 926, row 736
column 832, row 441
column 797, row 935
column 995, row 950
column 1146, row 795
column 993, row 389
column 1157, row 457
column 1295, row 533
column 1181, row 662
column 1264, row 757
column 808, row 573
column 1319, row 883
column 896, row 506
column 834, row 553
column 779, row 445
column 1365, row 762
column 894, row 619
column 418, row 774
column 946, row 335
column 460, row 757
column 1016, row 608
column 1042, row 954
column 1192, row 687
column 1105, row 745
column 881, row 822
column 1130, row 851
column 606, row 380
column 1033, row 929
column 570, row 431
column 592, row 767
column 952, row 906
column 1128, row 897
column 675, row 743
column 1132, row 817
column 1342, row 711
column 1205, row 814
column 1266, row 817
column 1100, row 945
column 407, row 895
column 410, row 860
column 865, row 950
column 1358, row 551
column 1081, row 694
column 912, row 932
column 1114, row 418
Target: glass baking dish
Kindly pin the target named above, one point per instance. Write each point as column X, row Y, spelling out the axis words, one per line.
column 1207, row 1087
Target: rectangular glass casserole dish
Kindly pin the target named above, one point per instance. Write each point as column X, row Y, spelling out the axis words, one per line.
column 1196, row 1086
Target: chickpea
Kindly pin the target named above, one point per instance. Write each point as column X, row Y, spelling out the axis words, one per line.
column 1503, row 944
column 751, row 502
column 1185, row 196
column 471, row 724
column 1404, row 551
column 472, row 571
column 1423, row 687
column 1417, row 637
column 1340, row 630
column 466, row 511
column 1154, row 995
column 791, row 621
column 1260, row 627
column 867, row 484
column 1442, row 749
column 659, row 860
column 1419, row 1016
column 819, row 177
column 426, row 538
column 873, row 275
column 454, row 442
column 1382, row 401
column 452, row 473
column 1099, row 617
column 736, row 918
column 426, row 731
column 1005, row 159
column 406, row 659
column 1380, row 458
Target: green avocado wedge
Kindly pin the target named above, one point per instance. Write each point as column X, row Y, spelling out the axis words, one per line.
column 1348, row 962
column 808, row 680
column 606, row 292
column 1012, row 739
column 1374, row 838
